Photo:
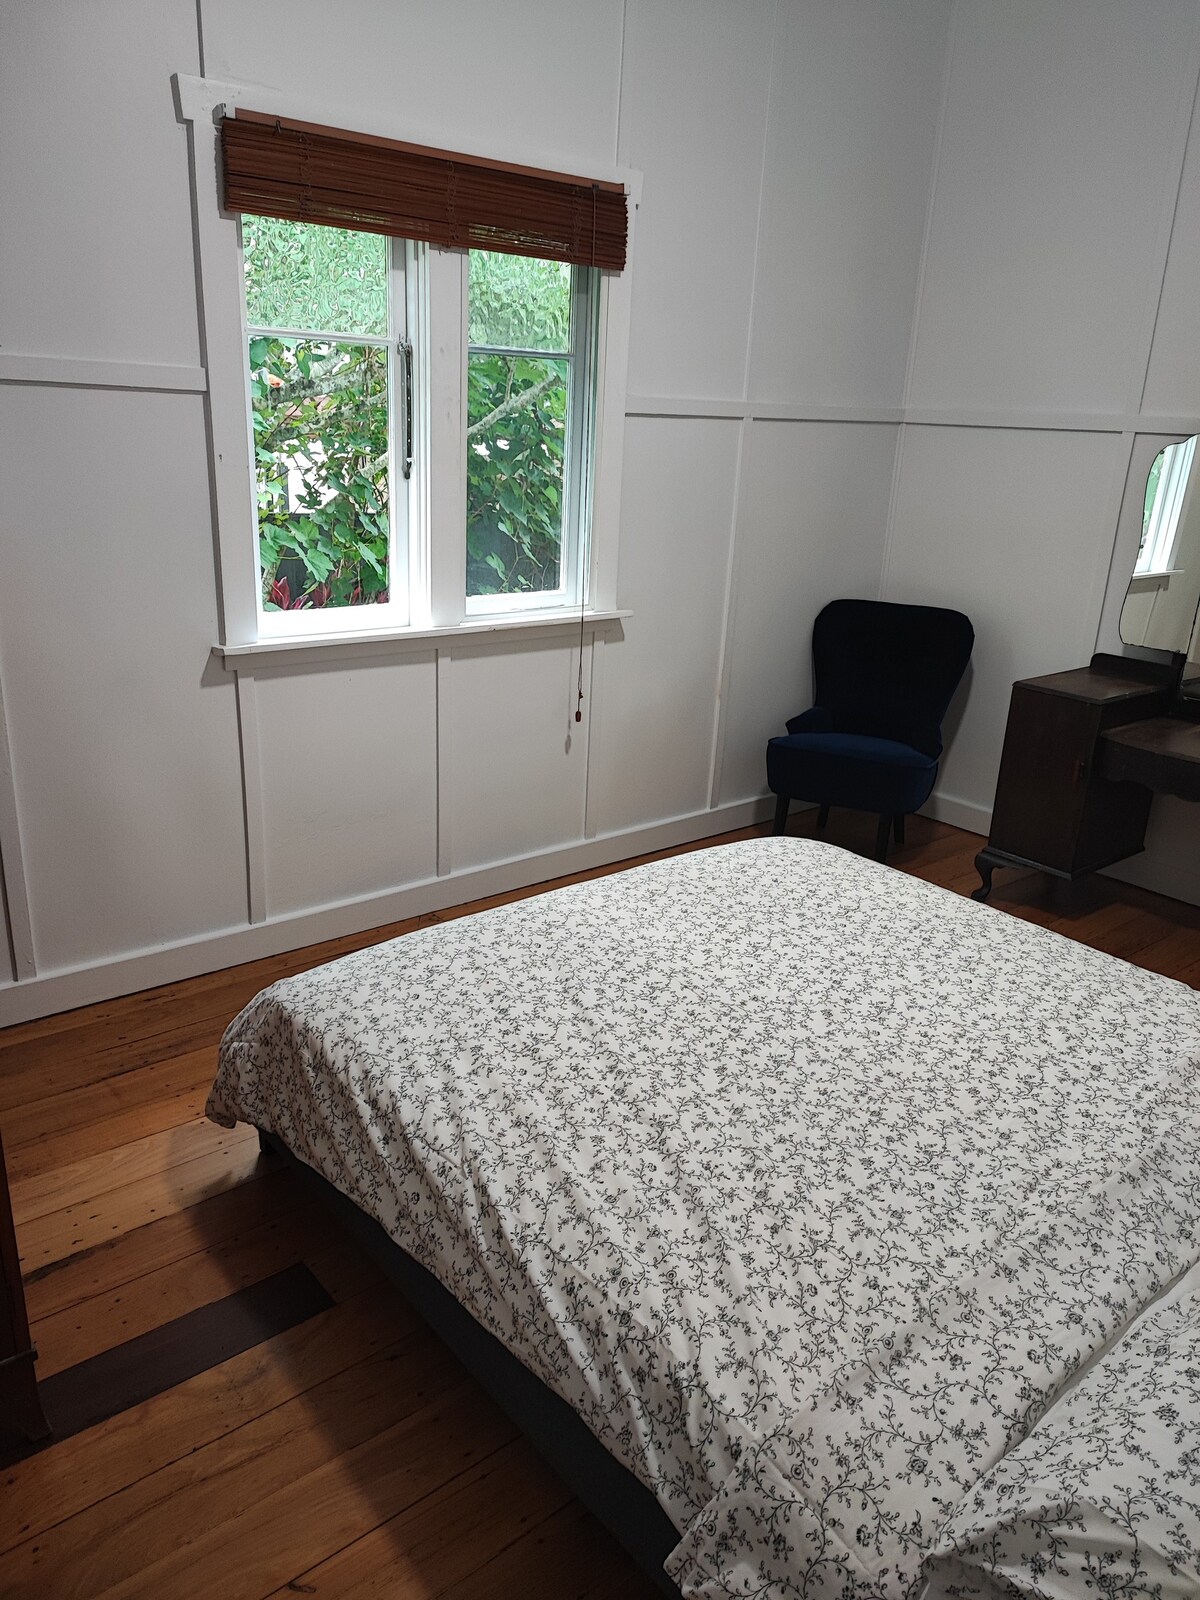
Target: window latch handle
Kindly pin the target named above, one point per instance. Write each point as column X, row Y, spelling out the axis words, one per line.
column 406, row 359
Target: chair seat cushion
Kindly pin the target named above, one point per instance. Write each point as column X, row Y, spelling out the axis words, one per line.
column 857, row 770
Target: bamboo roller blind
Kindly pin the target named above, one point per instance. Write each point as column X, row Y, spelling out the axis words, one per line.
column 274, row 167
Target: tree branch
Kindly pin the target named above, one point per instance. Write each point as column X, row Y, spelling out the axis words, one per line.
column 516, row 402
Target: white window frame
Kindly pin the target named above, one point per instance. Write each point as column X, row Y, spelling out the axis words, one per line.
column 577, row 507
column 436, row 299
column 403, row 270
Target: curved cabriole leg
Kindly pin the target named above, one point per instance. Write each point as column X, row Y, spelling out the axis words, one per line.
column 899, row 828
column 984, row 867
column 822, row 818
column 782, row 806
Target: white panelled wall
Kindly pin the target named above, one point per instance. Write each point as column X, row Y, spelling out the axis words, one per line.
column 913, row 285
column 1055, row 328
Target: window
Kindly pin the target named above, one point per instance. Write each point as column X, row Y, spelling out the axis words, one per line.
column 530, row 410
column 326, row 329
column 416, row 367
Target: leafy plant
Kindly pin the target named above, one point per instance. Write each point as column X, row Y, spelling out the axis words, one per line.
column 320, row 415
column 519, row 301
column 302, row 275
column 516, row 436
column 516, row 423
column 320, row 412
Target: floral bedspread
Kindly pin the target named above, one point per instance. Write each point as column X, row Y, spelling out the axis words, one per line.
column 808, row 1185
column 1103, row 1496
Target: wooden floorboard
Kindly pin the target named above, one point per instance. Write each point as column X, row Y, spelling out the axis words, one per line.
column 123, row 1376
column 88, row 1470
column 55, row 1130
column 349, row 1456
column 96, row 1321
column 88, row 1223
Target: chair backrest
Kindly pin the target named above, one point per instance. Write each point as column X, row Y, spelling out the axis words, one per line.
column 889, row 670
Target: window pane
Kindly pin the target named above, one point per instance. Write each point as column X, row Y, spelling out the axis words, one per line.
column 518, row 302
column 516, row 436
column 302, row 276
column 321, row 455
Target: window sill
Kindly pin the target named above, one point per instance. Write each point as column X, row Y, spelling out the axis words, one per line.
column 1144, row 582
column 403, row 641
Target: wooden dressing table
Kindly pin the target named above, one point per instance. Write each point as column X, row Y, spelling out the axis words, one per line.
column 1084, row 754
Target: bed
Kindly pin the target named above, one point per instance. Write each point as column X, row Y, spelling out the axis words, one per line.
column 818, row 1194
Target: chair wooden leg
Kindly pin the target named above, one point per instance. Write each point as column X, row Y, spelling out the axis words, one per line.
column 822, row 818
column 782, row 807
column 899, row 826
column 882, row 836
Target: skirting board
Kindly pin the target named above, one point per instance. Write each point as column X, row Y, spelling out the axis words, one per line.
column 1176, row 879
column 958, row 813
column 51, row 992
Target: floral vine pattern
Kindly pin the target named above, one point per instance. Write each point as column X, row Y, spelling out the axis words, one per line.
column 809, row 1185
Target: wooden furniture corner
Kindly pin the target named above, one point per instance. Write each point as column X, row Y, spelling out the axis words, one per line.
column 1084, row 752
column 19, row 1403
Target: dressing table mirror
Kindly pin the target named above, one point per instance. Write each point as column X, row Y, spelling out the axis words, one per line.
column 1086, row 751
column 1160, row 604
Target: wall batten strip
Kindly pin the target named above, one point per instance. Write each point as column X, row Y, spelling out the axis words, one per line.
column 252, row 796
column 445, row 839
column 716, row 757
column 79, row 372
column 12, row 864
column 1172, row 191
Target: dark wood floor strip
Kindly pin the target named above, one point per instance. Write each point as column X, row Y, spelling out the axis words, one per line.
column 116, row 1379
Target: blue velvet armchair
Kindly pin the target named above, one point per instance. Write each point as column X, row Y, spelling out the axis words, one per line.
column 883, row 677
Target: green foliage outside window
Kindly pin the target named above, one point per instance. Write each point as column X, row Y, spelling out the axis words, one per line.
column 320, row 416
column 516, row 423
column 321, row 448
column 516, row 439
column 320, row 412
column 323, row 280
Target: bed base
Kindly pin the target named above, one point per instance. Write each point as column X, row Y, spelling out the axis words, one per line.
column 610, row 1491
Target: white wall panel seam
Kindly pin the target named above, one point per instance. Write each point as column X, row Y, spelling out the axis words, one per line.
column 885, row 564
column 694, row 408
column 86, row 372
column 1172, row 191
column 728, row 618
column 930, row 201
column 250, row 748
column 1121, row 488
column 1093, row 616
column 441, row 787
column 12, row 863
column 584, row 663
column 620, row 81
column 593, row 715
column 762, row 191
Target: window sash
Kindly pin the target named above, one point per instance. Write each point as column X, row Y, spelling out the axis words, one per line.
column 579, row 446
column 395, row 611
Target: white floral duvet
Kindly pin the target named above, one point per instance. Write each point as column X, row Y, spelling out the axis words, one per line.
column 807, row 1184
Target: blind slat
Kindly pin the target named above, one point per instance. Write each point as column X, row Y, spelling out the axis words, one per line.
column 302, row 173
